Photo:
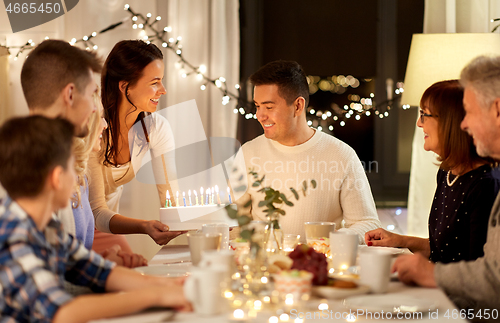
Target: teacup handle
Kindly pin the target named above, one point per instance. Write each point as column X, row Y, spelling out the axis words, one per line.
column 190, row 290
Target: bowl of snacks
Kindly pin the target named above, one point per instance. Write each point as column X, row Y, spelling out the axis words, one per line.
column 321, row 245
column 296, row 282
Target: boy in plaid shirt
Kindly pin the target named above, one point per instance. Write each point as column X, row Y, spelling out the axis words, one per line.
column 36, row 256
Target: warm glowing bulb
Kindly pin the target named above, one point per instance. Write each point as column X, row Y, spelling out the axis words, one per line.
column 148, row 15
column 239, row 314
column 94, row 34
column 323, row 306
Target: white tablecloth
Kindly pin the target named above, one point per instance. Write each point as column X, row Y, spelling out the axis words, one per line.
column 179, row 253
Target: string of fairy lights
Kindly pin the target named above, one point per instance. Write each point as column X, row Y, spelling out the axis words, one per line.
column 323, row 119
column 497, row 26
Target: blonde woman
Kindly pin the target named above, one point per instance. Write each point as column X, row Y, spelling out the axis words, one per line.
column 82, row 212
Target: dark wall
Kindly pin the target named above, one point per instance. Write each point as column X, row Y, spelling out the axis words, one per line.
column 326, row 37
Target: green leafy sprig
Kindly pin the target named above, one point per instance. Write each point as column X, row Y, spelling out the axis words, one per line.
column 272, row 203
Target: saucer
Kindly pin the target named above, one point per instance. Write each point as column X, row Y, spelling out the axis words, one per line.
column 390, row 303
column 167, row 270
column 330, row 292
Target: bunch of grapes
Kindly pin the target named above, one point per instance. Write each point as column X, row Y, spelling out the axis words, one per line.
column 306, row 258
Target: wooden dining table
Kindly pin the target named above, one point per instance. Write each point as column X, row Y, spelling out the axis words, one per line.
column 316, row 310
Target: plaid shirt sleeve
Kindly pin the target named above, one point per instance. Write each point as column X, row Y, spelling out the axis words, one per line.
column 85, row 267
column 31, row 290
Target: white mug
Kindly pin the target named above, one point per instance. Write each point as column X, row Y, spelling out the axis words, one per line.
column 203, row 289
column 375, row 266
column 218, row 259
column 343, row 249
column 222, row 228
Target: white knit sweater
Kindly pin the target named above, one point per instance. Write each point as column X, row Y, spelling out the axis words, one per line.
column 342, row 192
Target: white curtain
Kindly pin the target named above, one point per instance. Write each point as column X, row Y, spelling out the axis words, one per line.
column 441, row 16
column 210, row 37
column 4, row 84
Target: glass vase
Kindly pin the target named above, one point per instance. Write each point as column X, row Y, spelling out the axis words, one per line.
column 273, row 236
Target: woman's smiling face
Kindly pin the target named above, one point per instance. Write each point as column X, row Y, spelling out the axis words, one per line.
column 430, row 126
column 149, row 88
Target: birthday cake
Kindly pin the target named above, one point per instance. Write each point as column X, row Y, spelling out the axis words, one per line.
column 193, row 217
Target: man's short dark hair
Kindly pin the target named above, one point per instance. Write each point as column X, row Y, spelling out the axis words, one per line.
column 51, row 66
column 288, row 76
column 30, row 148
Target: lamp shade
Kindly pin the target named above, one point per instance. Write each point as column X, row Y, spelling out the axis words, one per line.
column 438, row 57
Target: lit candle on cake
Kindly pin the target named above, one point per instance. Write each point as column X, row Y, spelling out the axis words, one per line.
column 208, row 197
column 177, row 199
column 229, row 195
column 201, row 195
column 184, row 197
column 217, row 192
column 189, row 194
column 196, row 196
column 167, row 201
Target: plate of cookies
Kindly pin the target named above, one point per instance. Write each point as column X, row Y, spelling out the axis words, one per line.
column 340, row 288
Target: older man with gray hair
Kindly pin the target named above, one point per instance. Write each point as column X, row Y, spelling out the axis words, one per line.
column 471, row 284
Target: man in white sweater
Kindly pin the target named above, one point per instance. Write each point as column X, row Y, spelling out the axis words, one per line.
column 473, row 285
column 290, row 152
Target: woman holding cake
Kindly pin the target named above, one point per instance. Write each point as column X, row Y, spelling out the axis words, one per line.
column 131, row 85
column 466, row 184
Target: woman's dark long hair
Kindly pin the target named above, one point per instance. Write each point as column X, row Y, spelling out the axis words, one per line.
column 445, row 100
column 125, row 62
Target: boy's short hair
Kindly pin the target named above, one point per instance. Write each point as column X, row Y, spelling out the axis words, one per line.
column 51, row 66
column 288, row 76
column 30, row 148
